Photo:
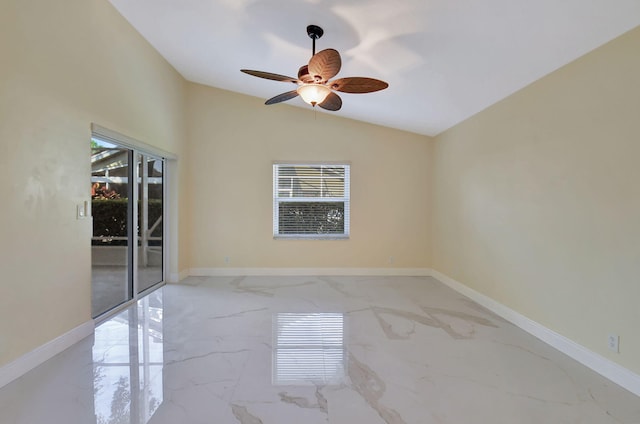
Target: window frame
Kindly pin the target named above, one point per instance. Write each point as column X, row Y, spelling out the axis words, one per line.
column 345, row 199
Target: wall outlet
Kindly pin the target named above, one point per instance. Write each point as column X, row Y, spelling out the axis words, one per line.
column 613, row 341
column 391, row 260
column 227, row 260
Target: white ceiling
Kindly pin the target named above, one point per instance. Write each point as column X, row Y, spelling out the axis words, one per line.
column 444, row 60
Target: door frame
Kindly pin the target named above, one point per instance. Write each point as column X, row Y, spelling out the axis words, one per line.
column 146, row 150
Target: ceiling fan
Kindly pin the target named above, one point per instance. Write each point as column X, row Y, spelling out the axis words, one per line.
column 313, row 79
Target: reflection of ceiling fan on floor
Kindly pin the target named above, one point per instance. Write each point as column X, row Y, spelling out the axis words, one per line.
column 313, row 79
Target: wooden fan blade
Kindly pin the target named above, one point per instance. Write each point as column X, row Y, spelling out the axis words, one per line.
column 325, row 65
column 332, row 102
column 282, row 97
column 357, row 85
column 269, row 76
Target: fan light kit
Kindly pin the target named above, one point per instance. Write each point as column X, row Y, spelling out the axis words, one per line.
column 313, row 79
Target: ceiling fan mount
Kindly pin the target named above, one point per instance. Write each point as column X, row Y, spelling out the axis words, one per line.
column 314, row 32
column 313, row 79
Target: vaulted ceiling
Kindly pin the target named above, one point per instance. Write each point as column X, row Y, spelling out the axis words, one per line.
column 444, row 60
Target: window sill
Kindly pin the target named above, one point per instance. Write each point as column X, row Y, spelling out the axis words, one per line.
column 311, row 237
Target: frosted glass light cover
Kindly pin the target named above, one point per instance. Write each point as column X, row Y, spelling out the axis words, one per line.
column 314, row 93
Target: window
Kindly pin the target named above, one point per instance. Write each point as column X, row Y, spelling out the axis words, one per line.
column 310, row 201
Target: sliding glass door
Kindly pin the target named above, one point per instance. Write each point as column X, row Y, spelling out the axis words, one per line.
column 111, row 206
column 150, row 208
column 127, row 242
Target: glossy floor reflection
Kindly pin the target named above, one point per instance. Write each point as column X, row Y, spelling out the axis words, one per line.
column 312, row 350
column 127, row 364
column 308, row 348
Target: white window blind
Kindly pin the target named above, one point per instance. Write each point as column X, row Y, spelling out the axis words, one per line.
column 311, row 200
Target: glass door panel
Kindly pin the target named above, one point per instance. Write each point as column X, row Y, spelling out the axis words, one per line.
column 150, row 208
column 111, row 255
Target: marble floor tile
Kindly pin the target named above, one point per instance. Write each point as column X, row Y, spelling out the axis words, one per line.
column 338, row 350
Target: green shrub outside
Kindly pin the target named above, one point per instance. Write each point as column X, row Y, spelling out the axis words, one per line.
column 311, row 218
column 110, row 220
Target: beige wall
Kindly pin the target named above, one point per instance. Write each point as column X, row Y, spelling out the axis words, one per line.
column 537, row 200
column 233, row 142
column 63, row 65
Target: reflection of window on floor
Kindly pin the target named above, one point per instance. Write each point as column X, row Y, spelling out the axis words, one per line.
column 308, row 348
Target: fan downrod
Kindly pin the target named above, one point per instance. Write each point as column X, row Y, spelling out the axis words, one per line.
column 314, row 32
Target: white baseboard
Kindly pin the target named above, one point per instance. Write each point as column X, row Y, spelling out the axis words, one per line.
column 603, row 366
column 183, row 274
column 176, row 277
column 29, row 361
column 235, row 272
